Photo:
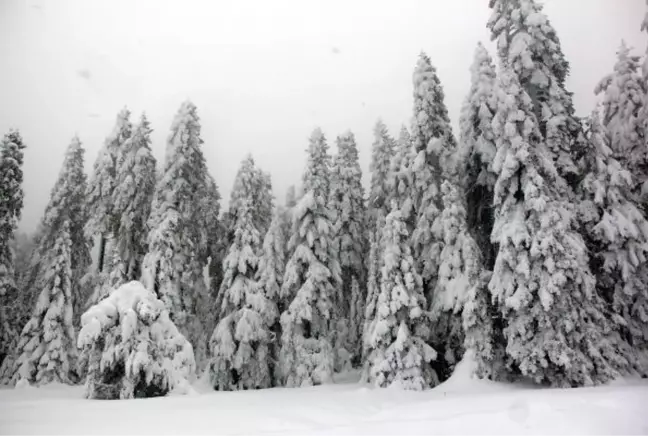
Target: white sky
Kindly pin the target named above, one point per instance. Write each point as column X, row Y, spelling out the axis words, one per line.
column 263, row 73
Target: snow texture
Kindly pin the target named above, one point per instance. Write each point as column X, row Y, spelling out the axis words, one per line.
column 461, row 405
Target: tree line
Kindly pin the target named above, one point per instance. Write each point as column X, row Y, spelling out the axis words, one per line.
column 523, row 241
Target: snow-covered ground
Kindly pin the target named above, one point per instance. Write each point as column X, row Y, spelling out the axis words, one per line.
column 460, row 405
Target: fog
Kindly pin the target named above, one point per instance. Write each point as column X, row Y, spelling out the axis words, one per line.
column 262, row 73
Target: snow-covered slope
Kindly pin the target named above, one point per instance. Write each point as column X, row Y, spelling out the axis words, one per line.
column 459, row 406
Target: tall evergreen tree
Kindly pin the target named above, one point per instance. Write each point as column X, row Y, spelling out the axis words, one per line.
column 11, row 203
column 382, row 152
column 347, row 206
column 398, row 352
column 529, row 45
column 459, row 271
column 398, row 191
column 541, row 278
column 216, row 251
column 173, row 266
column 617, row 237
column 46, row 350
column 72, row 181
column 433, row 146
column 477, row 149
column 132, row 197
column 623, row 94
column 312, row 277
column 102, row 218
column 241, row 341
column 272, row 266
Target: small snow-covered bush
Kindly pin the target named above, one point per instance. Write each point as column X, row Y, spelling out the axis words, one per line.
column 131, row 349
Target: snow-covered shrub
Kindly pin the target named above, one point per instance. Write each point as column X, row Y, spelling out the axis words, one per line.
column 131, row 349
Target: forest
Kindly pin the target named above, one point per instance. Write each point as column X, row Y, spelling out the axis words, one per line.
column 521, row 239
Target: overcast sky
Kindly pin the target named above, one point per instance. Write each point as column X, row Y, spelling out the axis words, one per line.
column 262, row 73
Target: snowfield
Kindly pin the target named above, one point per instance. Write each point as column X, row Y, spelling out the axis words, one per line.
column 459, row 406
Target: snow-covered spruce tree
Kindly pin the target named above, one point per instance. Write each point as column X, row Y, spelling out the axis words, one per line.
column 623, row 93
column 382, row 152
column 398, row 353
column 173, row 266
column 241, row 341
column 373, row 283
column 132, row 197
column 286, row 216
column 262, row 198
column 312, row 278
column 102, row 219
column 216, row 250
column 131, row 349
column 399, row 184
column 459, row 271
column 541, row 278
column 434, row 146
column 11, row 203
column 272, row 266
column 528, row 44
column 617, row 237
column 348, row 213
column 477, row 149
column 46, row 351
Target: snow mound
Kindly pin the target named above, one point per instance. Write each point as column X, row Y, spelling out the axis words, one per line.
column 131, row 349
column 464, row 380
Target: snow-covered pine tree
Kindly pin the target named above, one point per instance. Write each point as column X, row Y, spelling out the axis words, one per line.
column 131, row 349
column 346, row 203
column 312, row 278
column 398, row 190
column 11, row 203
column 477, row 149
column 272, row 266
column 398, row 353
column 173, row 267
column 434, row 147
column 623, row 94
column 262, row 198
column 459, row 272
column 46, row 350
column 286, row 217
column 241, row 340
column 617, row 237
column 74, row 201
column 102, row 219
column 528, row 44
column 132, row 197
column 382, row 152
column 216, row 252
column 541, row 278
